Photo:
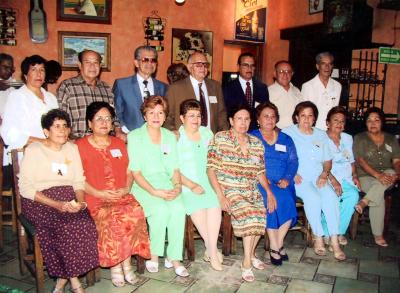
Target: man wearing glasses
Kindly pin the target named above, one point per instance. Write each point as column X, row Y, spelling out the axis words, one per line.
column 130, row 92
column 283, row 93
column 197, row 86
column 245, row 89
column 322, row 90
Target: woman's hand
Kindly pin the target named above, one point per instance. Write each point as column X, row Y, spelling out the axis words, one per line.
column 197, row 189
column 336, row 185
column 322, row 180
column 357, row 182
column 271, row 203
column 298, row 179
column 386, row 179
column 110, row 194
column 283, row 183
column 166, row 194
column 225, row 203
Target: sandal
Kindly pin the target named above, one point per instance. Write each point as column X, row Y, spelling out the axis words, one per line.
column 130, row 275
column 284, row 257
column 338, row 254
column 319, row 249
column 117, row 277
column 206, row 258
column 258, row 264
column 275, row 261
column 77, row 289
column 247, row 274
column 58, row 289
column 381, row 242
column 151, row 266
column 181, row 271
column 359, row 207
column 342, row 240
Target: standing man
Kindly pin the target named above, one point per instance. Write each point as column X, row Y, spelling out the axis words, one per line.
column 322, row 90
column 283, row 93
column 76, row 93
column 131, row 91
column 207, row 91
column 246, row 89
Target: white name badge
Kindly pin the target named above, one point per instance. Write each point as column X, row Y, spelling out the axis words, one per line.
column 280, row 147
column 116, row 153
column 212, row 99
column 165, row 149
column 388, row 148
column 58, row 168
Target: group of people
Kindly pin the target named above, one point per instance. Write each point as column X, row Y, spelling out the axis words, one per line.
column 102, row 162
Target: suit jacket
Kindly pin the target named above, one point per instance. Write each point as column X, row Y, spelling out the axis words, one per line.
column 128, row 100
column 183, row 90
column 234, row 96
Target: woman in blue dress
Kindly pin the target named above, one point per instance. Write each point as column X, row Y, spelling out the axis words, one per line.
column 313, row 181
column 281, row 166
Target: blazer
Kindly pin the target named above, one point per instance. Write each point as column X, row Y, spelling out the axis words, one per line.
column 234, row 96
column 183, row 90
column 128, row 100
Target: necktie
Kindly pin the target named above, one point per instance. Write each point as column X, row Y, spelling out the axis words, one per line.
column 146, row 90
column 203, row 105
column 248, row 94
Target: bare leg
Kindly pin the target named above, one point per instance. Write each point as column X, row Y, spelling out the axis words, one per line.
column 213, row 226
column 199, row 219
column 337, row 251
column 76, row 286
column 273, row 235
column 282, row 231
column 248, row 250
column 60, row 283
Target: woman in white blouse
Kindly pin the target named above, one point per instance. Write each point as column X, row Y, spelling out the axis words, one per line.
column 25, row 106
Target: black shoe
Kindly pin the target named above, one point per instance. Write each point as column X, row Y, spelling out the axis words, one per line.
column 275, row 261
column 284, row 257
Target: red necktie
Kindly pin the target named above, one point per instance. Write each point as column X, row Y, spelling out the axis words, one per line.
column 248, row 93
column 203, row 105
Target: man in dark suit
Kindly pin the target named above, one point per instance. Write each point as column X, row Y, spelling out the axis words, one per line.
column 207, row 91
column 245, row 89
column 130, row 91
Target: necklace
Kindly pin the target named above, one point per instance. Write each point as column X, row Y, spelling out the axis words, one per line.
column 267, row 139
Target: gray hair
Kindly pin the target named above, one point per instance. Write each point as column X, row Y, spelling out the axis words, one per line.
column 140, row 49
column 319, row 57
column 194, row 53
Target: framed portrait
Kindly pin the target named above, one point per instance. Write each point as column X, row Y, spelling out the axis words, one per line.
column 187, row 41
column 338, row 16
column 71, row 43
column 96, row 11
column 315, row 6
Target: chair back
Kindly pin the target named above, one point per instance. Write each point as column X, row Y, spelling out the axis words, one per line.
column 1, row 161
column 15, row 165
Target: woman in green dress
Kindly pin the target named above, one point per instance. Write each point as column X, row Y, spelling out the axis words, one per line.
column 153, row 158
column 199, row 198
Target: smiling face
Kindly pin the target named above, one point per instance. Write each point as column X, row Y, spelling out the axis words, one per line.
column 155, row 117
column 191, row 120
column 325, row 67
column 267, row 119
column 240, row 121
column 283, row 75
column 58, row 132
column 35, row 76
column 306, row 118
column 101, row 123
column 336, row 123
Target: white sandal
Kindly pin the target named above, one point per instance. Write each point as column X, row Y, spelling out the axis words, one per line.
column 247, row 274
column 151, row 266
column 117, row 277
column 180, row 270
column 258, row 264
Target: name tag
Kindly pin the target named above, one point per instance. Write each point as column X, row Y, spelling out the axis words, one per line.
column 388, row 148
column 256, row 104
column 280, row 147
column 165, row 149
column 116, row 153
column 59, row 169
column 212, row 99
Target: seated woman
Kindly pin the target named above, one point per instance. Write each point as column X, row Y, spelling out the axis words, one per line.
column 343, row 169
column 26, row 105
column 281, row 164
column 378, row 162
column 153, row 158
column 200, row 200
column 51, row 183
column 119, row 218
column 235, row 167
column 311, row 180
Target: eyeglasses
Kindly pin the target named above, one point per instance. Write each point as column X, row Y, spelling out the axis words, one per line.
column 201, row 64
column 247, row 65
column 103, row 119
column 148, row 60
column 289, row 72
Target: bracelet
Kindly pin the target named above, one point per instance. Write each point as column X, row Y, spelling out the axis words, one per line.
column 85, row 203
column 177, row 184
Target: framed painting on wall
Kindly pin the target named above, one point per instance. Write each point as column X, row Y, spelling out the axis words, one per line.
column 316, row 6
column 71, row 43
column 97, row 11
column 187, row 41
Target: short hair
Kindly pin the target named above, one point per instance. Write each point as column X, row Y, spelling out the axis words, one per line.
column 376, row 110
column 195, row 53
column 246, row 54
column 177, row 71
column 268, row 105
column 4, row 56
column 48, row 119
column 319, row 56
column 336, row 110
column 304, row 105
column 82, row 53
column 237, row 108
column 95, row 107
column 30, row 61
column 53, row 71
column 187, row 105
column 139, row 50
column 151, row 102
column 281, row 62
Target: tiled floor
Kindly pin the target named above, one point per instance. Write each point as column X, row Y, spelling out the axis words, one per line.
column 367, row 269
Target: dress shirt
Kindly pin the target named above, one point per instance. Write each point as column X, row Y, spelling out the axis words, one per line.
column 195, row 84
column 325, row 98
column 3, row 102
column 244, row 85
column 286, row 101
column 150, row 85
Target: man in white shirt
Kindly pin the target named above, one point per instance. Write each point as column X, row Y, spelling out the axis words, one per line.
column 6, row 71
column 283, row 93
column 322, row 90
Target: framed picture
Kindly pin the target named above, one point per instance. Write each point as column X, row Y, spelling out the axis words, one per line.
column 97, row 11
column 315, row 6
column 187, row 41
column 338, row 16
column 71, row 43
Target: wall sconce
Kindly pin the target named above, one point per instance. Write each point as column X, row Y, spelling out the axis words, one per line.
column 179, row 2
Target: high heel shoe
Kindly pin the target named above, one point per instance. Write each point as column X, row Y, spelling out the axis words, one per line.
column 275, row 261
column 284, row 257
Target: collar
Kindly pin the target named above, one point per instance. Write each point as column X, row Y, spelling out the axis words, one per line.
column 196, row 82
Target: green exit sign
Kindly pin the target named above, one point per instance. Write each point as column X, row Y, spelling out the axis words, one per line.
column 389, row 55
